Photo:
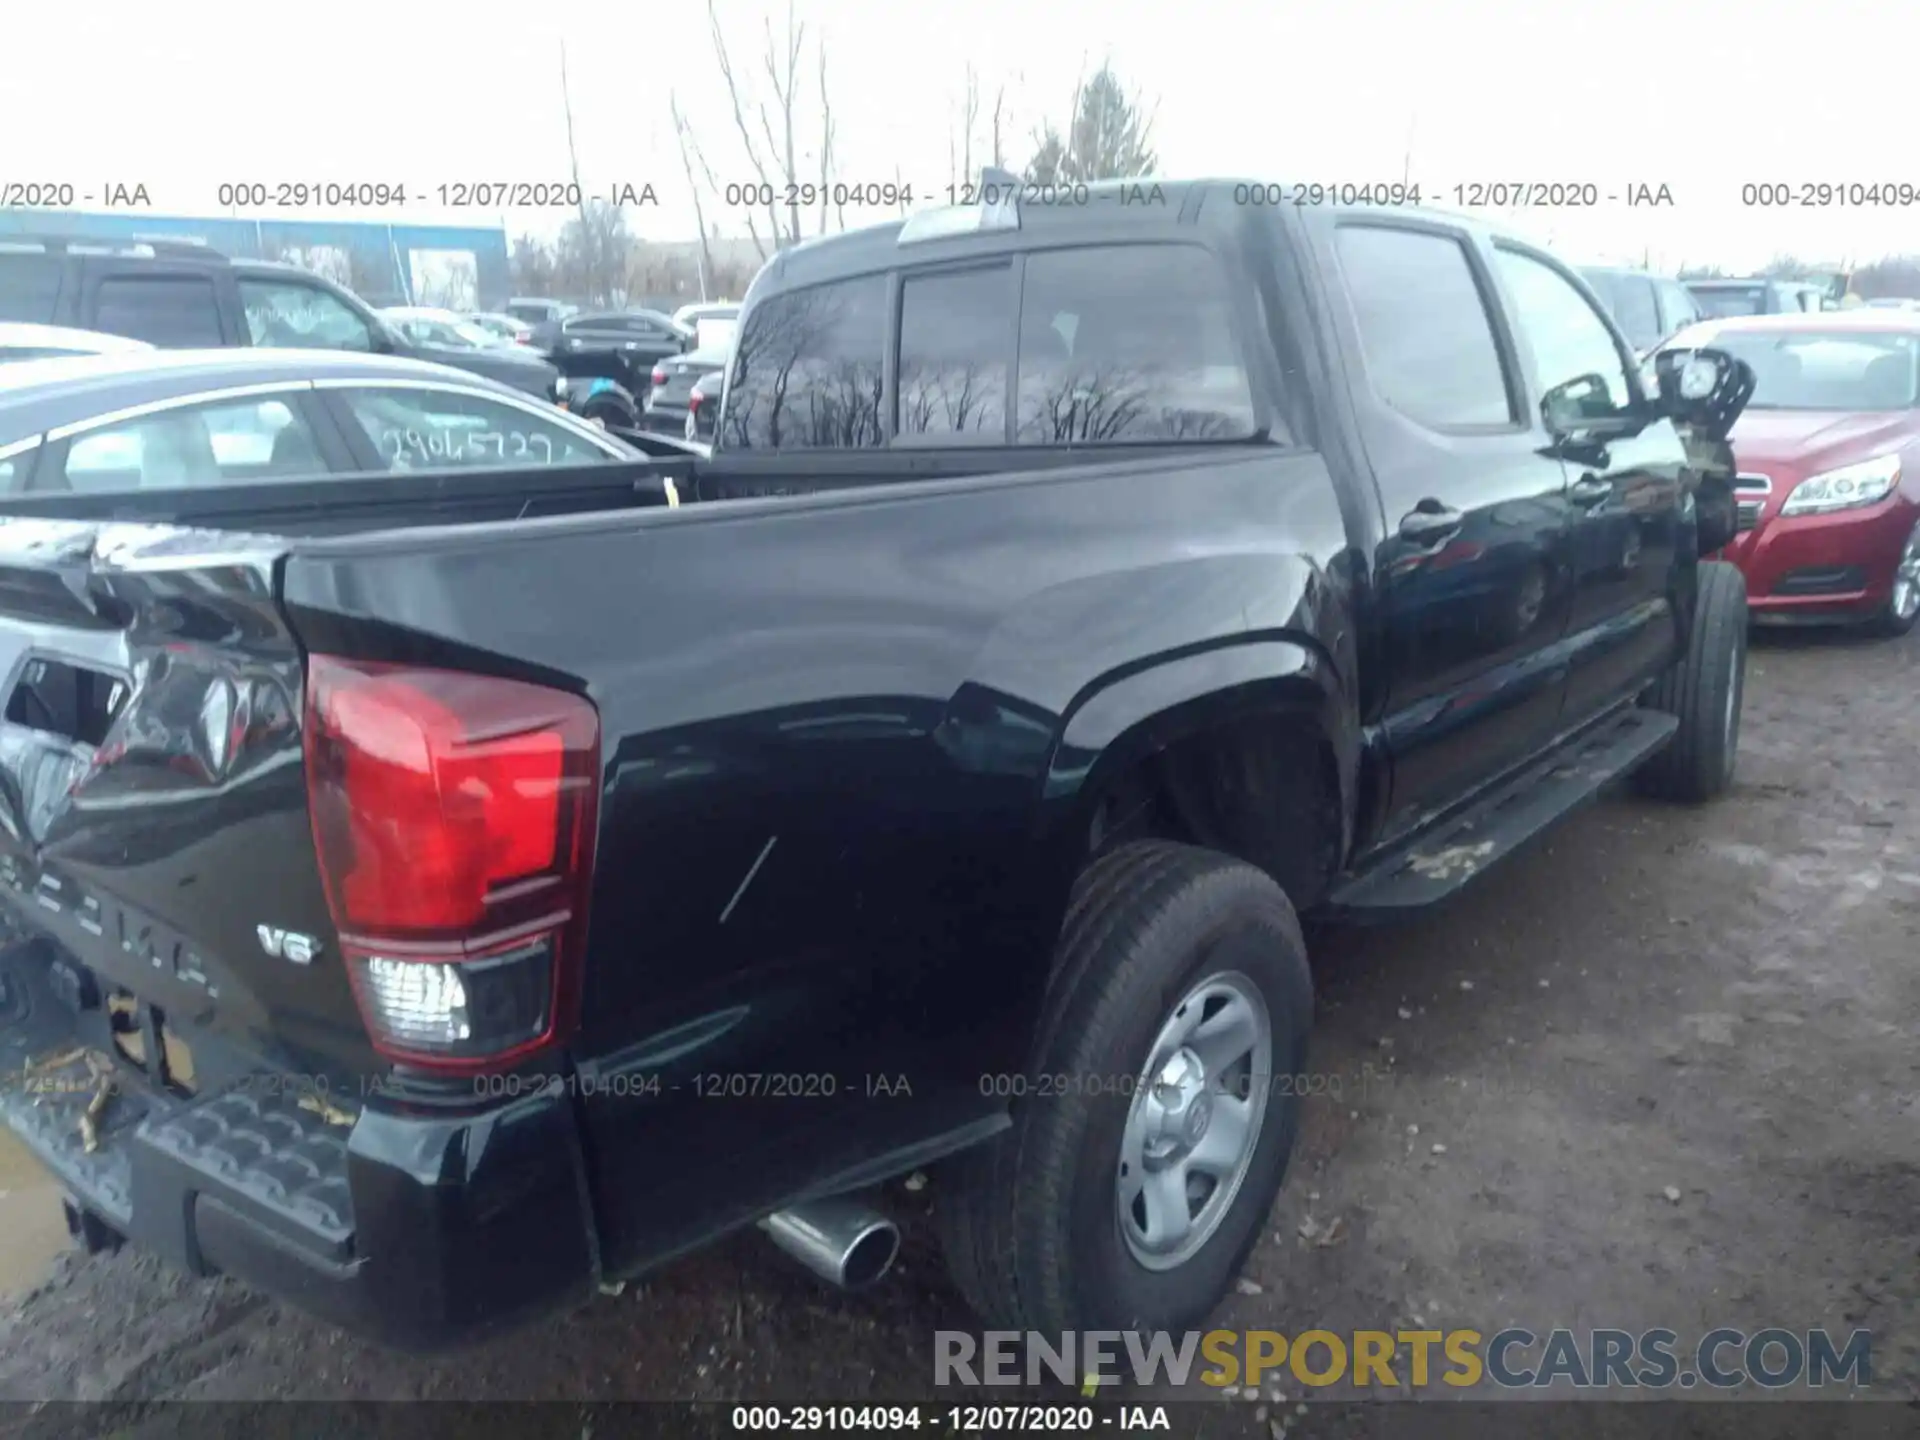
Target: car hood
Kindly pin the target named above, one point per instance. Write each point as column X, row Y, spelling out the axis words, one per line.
column 1799, row 437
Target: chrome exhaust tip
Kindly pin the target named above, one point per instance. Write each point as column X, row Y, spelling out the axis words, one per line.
column 844, row 1242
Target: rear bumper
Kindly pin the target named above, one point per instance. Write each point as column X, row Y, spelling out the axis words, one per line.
column 420, row 1230
column 1823, row 567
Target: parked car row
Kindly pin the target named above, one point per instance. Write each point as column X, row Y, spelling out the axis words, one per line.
column 1652, row 308
column 182, row 295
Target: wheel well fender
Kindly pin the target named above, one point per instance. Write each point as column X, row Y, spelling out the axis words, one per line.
column 1250, row 746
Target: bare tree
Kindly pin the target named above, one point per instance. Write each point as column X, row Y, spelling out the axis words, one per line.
column 532, row 265
column 688, row 148
column 573, row 151
column 769, row 130
column 962, row 160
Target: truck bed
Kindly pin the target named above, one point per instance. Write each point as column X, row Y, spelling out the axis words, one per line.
column 346, row 504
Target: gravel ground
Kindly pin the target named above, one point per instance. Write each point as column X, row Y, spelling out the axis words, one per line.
column 1718, row 1004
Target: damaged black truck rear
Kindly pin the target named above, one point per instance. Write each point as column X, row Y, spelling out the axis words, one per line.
column 428, row 923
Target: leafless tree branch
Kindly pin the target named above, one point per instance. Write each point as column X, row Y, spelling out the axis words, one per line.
column 740, row 124
column 684, row 135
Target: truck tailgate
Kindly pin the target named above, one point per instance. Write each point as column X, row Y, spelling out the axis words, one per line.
column 179, row 1038
column 155, row 858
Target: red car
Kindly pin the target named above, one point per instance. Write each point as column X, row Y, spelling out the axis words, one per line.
column 1828, row 450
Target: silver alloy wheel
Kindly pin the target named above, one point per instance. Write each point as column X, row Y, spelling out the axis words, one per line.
column 1195, row 1120
column 1905, row 600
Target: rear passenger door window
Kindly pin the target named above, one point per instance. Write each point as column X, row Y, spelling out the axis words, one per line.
column 1424, row 328
column 956, row 356
column 1568, row 338
column 177, row 311
column 809, row 369
column 1128, row 343
column 227, row 442
column 418, row 428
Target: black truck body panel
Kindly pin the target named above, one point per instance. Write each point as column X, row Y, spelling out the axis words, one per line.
column 855, row 733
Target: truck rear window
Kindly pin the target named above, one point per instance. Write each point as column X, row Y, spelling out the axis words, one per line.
column 1129, row 342
column 809, row 370
column 1112, row 343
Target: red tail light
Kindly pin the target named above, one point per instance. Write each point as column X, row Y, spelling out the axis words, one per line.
column 454, row 819
column 659, row 376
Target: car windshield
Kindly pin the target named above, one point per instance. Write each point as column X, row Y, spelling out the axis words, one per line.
column 1722, row 301
column 714, row 332
column 1828, row 370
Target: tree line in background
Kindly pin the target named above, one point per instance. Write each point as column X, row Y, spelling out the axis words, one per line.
column 1894, row 277
column 779, row 146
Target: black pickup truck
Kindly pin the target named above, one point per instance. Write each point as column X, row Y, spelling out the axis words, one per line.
column 430, row 922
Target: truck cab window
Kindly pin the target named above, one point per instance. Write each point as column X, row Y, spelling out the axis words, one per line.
column 421, row 429
column 956, row 355
column 1565, row 332
column 808, row 370
column 1129, row 342
column 287, row 313
column 1423, row 324
column 178, row 311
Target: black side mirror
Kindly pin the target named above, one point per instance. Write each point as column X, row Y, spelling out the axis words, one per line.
column 1705, row 388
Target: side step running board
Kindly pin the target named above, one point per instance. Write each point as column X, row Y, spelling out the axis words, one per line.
column 1438, row 864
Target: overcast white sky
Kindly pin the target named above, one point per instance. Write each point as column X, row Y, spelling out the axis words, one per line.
column 184, row 95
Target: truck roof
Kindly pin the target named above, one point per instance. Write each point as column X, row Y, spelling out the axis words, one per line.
column 1107, row 204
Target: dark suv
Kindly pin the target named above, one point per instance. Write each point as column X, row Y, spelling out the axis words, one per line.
column 1649, row 308
column 183, row 296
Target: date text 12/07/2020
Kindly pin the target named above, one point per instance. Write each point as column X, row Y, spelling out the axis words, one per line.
column 708, row 1085
column 1467, row 195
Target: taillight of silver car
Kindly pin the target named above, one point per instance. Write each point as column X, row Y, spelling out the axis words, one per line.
column 454, row 816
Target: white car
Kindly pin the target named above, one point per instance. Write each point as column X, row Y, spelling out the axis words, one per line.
column 45, row 342
column 425, row 325
column 712, row 322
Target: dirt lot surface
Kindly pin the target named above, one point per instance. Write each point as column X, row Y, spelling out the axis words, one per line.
column 1718, row 1004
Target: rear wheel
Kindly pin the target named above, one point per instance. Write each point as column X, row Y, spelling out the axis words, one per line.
column 1704, row 690
column 1158, row 1117
column 1903, row 601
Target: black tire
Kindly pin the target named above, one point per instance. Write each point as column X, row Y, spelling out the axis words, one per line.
column 1030, row 1222
column 1890, row 623
column 1704, row 690
column 610, row 414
